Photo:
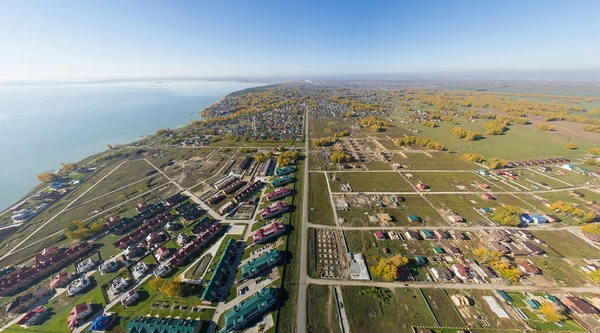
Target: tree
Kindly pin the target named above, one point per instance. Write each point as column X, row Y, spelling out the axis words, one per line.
column 593, row 228
column 476, row 158
column 487, row 256
column 507, row 271
column 46, row 177
column 571, row 146
column 339, row 156
column 544, row 127
column 508, row 215
column 260, row 158
column 388, row 267
column 496, row 163
column 157, row 283
column 68, row 167
column 595, row 275
column 552, row 312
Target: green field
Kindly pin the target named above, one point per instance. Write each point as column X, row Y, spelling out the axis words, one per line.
column 567, row 244
column 412, row 308
column 509, row 145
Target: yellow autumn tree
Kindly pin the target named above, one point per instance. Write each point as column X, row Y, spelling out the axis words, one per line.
column 388, row 267
column 552, row 312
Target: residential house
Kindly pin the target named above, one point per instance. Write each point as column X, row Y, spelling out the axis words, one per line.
column 78, row 314
column 268, row 233
column 441, row 273
column 579, row 305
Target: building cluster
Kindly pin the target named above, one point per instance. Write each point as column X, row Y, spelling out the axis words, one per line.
column 49, row 260
column 208, row 233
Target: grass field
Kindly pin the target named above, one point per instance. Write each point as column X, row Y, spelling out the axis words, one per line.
column 321, row 310
column 567, row 244
column 319, row 205
column 561, row 272
column 412, row 308
column 448, row 181
column 508, row 146
column 368, row 314
column 371, row 182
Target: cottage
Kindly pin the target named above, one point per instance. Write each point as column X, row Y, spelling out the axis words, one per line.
column 130, row 298
column 379, row 235
column 60, row 280
column 412, row 235
column 487, row 196
column 413, row 218
column 79, row 312
column 528, row 268
column 163, row 253
column 461, row 271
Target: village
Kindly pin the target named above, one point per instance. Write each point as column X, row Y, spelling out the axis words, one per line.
column 315, row 215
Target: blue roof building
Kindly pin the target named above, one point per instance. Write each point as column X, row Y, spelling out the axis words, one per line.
column 526, row 219
column 102, row 323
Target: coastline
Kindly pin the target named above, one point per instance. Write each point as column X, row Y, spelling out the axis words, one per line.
column 119, row 126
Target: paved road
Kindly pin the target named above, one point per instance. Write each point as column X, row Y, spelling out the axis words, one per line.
column 301, row 307
column 429, row 285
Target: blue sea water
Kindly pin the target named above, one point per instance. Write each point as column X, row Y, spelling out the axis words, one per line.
column 44, row 125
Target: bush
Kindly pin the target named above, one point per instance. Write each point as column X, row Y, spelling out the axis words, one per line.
column 571, row 146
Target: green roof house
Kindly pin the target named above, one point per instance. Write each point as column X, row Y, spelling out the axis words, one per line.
column 282, row 181
column 255, row 266
column 438, row 250
column 413, row 218
column 284, row 171
column 163, row 325
column 240, row 315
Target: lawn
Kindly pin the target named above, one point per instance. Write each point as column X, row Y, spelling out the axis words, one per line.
column 291, row 270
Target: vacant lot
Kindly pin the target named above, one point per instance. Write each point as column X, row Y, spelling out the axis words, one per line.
column 371, row 182
column 319, row 204
column 321, row 310
column 368, row 314
column 567, row 244
column 442, row 308
column 448, row 181
column 412, row 308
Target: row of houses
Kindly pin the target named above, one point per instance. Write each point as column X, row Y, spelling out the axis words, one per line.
column 256, row 266
column 212, row 230
column 248, row 191
column 438, row 234
column 257, row 304
column 221, row 273
column 147, row 230
column 268, row 232
column 274, row 210
column 51, row 260
column 118, row 226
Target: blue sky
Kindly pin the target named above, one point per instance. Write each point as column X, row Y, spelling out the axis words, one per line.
column 127, row 38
